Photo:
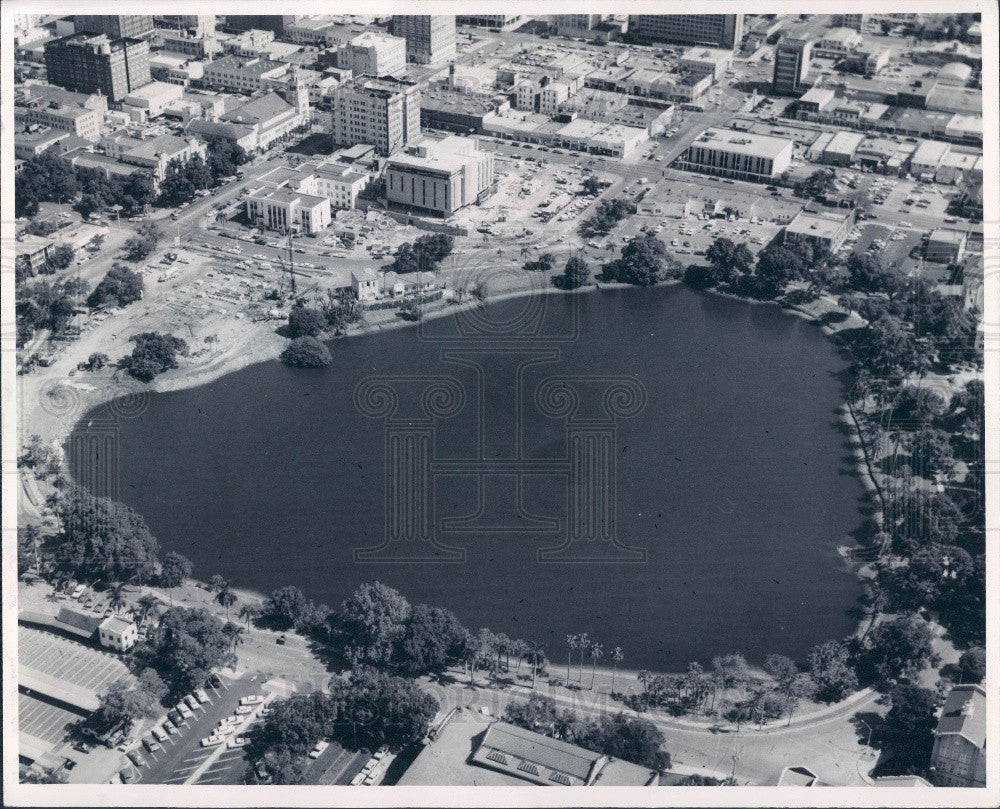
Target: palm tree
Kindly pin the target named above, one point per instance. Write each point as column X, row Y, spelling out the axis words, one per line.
column 217, row 583
column 519, row 649
column 116, row 598
column 584, row 642
column 536, row 659
column 235, row 634
column 147, row 606
column 617, row 656
column 574, row 643
column 226, row 598
column 596, row 653
column 249, row 612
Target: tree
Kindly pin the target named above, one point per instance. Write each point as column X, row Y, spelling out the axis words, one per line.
column 908, row 728
column 818, row 184
column 583, row 640
column 373, row 620
column 123, row 704
column 866, row 273
column 153, row 354
column 625, row 737
column 543, row 263
column 226, row 598
column 376, row 709
column 830, row 670
column 573, row 642
column 596, row 653
column 305, row 322
column 148, row 605
column 45, row 178
column 60, row 257
column 234, row 633
column 306, row 352
column 97, row 361
column 103, row 539
column 538, row 713
column 248, row 613
column 728, row 260
column 607, row 214
column 730, row 670
column 432, row 640
column 285, row 607
column 617, row 656
column 697, row 780
column 900, row 649
column 185, row 647
column 29, row 543
column 292, row 728
column 116, row 598
column 787, row 680
column 120, row 287
column 217, row 582
column 777, row 265
column 576, row 274
column 643, row 261
column 972, row 665
column 147, row 236
column 174, row 570
column 591, row 185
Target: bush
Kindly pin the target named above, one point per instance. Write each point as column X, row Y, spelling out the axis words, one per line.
column 306, row 352
column 153, row 354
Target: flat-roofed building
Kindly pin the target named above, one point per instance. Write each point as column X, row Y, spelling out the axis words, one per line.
column 31, row 144
column 502, row 21
column 384, row 112
column 815, row 102
column 118, row 633
column 927, row 158
column 198, row 46
column 715, row 30
column 154, row 98
column 238, row 74
column 822, row 228
column 198, row 25
column 739, row 155
column 115, row 26
column 90, row 63
column 373, row 54
column 430, row 39
column 73, row 120
column 275, row 23
column 575, row 25
column 792, row 59
column 946, row 246
column 855, row 21
column 713, row 62
column 842, row 147
column 837, row 43
column 958, row 758
column 155, row 154
column 440, row 176
column 284, row 210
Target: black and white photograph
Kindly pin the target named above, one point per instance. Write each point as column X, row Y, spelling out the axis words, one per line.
column 401, row 408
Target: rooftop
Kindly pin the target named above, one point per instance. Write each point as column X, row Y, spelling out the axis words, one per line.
column 948, row 236
column 964, row 711
column 731, row 140
column 161, row 145
column 823, row 224
column 259, row 110
column 115, row 623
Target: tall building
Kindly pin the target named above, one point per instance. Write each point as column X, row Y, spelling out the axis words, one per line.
column 115, row 26
column 261, row 22
column 374, row 54
column 440, row 177
column 430, row 40
column 197, row 25
column 716, row 30
column 791, row 65
column 383, row 112
column 91, row 63
column 855, row 21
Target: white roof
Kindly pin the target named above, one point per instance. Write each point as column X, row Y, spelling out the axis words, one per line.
column 736, row 142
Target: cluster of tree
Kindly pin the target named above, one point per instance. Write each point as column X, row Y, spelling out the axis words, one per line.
column 58, row 258
column 592, row 186
column 144, row 242
column 576, row 273
column 45, row 305
column 907, row 732
column 45, row 178
column 184, row 648
column 628, row 738
column 43, row 227
column 306, row 352
column 544, row 263
column 304, row 321
column 183, row 179
column 423, row 255
column 43, row 459
column 644, row 261
column 607, row 214
column 120, row 287
column 818, row 184
column 125, row 703
column 224, row 158
column 103, row 540
column 153, row 354
column 368, row 710
column 99, row 192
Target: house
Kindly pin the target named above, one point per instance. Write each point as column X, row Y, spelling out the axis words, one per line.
column 118, row 633
column 365, row 284
column 958, row 758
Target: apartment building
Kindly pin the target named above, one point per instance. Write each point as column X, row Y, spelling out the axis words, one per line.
column 440, row 177
column 739, row 155
column 383, row 112
column 374, row 54
column 115, row 26
column 714, row 30
column 430, row 39
column 91, row 63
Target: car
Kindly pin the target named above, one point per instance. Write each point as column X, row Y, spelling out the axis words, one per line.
column 358, row 779
column 280, row 640
column 81, row 747
column 201, row 696
column 129, row 775
column 253, row 699
column 151, row 745
column 175, row 717
column 192, row 703
column 136, row 758
column 244, row 709
column 185, row 711
column 317, row 751
column 211, row 741
column 159, row 733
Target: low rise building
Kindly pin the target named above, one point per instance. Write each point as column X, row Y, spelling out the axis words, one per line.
column 118, row 633
column 286, row 210
column 842, row 147
column 270, row 116
column 739, row 155
column 838, row 43
column 34, row 105
column 241, row 75
column 153, row 154
column 821, row 228
column 31, row 144
column 946, row 246
column 712, row 62
column 373, row 54
column 154, row 98
column 365, row 284
column 440, row 177
column 958, row 758
column 927, row 159
column 33, row 251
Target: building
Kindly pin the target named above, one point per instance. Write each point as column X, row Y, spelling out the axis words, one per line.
column 39, row 111
column 739, row 155
column 264, row 22
column 958, row 758
column 440, row 177
column 195, row 25
column 712, row 62
column 945, row 246
column 575, row 25
column 838, row 43
column 241, row 75
column 270, row 116
column 842, row 147
column 33, row 251
column 814, row 103
column 284, row 210
column 91, row 63
column 468, row 750
column 714, row 30
column 927, row 159
column 197, row 46
column 798, row 777
column 118, row 633
column 826, row 228
column 155, row 154
column 463, row 113
column 365, row 285
column 338, row 182
column 430, row 39
column 130, row 26
column 791, row 65
column 855, row 21
column 154, row 98
column 384, row 112
column 373, row 54
column 31, row 144
column 503, row 22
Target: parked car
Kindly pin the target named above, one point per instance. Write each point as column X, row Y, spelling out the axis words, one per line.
column 192, row 703
column 151, row 745
column 317, row 751
column 201, row 696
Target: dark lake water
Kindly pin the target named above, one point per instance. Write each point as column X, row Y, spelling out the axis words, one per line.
column 732, row 479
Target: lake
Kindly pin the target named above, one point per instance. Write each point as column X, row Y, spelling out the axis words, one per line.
column 702, row 516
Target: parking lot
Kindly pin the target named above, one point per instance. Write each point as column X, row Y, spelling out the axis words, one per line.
column 181, row 754
column 68, row 660
column 42, row 719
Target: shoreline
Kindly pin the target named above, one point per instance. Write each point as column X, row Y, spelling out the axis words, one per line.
column 233, row 361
